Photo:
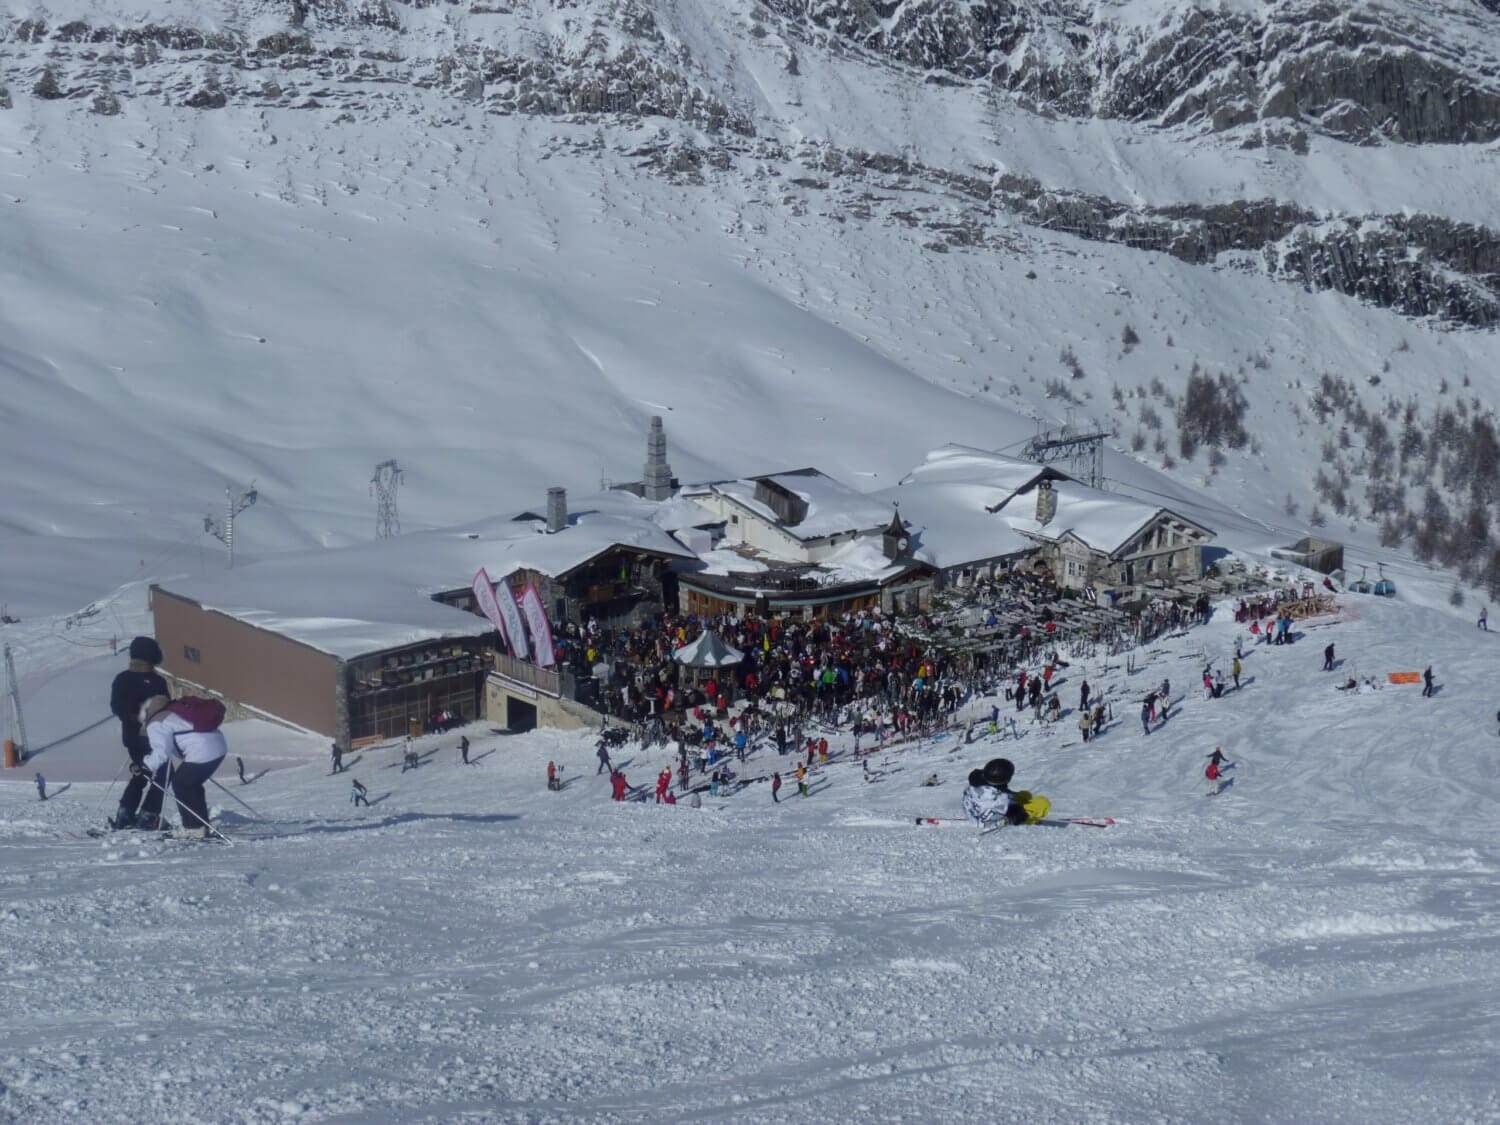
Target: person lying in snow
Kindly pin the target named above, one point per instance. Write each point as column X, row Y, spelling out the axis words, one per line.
column 988, row 801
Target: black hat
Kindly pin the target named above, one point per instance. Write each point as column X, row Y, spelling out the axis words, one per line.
column 145, row 648
column 998, row 772
column 976, row 777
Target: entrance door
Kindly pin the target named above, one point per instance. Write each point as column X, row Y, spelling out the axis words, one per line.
column 519, row 715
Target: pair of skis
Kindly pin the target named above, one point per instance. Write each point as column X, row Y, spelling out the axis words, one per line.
column 1057, row 821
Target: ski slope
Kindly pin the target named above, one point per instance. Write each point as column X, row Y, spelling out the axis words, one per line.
column 1314, row 944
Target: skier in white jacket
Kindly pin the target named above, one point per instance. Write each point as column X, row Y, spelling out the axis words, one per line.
column 985, row 805
column 201, row 753
column 988, row 801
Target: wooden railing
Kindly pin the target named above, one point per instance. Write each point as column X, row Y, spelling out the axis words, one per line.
column 545, row 680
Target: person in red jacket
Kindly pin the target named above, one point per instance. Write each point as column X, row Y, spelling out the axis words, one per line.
column 618, row 784
column 663, row 783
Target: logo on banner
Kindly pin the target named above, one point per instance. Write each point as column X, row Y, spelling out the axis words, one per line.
column 501, row 610
column 541, row 632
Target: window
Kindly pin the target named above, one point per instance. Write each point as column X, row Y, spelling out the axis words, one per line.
column 734, row 518
column 191, row 655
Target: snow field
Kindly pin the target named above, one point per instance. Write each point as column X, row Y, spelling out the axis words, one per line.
column 1312, row 944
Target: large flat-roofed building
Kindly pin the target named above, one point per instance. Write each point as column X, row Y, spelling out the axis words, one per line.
column 363, row 642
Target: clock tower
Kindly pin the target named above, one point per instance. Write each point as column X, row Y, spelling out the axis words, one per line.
column 896, row 541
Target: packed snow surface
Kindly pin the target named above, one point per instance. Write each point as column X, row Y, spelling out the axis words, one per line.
column 1313, row 944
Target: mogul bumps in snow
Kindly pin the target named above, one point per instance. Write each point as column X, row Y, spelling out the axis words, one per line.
column 990, row 802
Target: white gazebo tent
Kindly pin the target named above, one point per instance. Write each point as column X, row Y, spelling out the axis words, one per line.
column 709, row 650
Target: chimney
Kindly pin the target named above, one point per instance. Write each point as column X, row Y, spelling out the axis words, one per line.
column 657, row 482
column 557, row 509
column 1046, row 503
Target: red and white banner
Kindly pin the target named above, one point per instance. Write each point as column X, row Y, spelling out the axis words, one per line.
column 502, row 612
column 484, row 594
column 541, row 632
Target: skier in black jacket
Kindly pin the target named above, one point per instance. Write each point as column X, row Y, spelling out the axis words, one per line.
column 132, row 687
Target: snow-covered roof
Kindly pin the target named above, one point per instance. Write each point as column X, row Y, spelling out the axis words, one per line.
column 951, row 524
column 951, row 502
column 962, row 464
column 1104, row 521
column 378, row 595
column 832, row 506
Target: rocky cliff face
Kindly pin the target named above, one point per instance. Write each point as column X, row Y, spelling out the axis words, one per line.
column 1356, row 71
column 1277, row 77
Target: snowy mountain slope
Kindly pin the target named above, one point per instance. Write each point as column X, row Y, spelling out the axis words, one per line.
column 1313, row 944
column 493, row 243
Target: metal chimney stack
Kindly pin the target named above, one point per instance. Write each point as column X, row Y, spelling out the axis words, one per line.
column 557, row 509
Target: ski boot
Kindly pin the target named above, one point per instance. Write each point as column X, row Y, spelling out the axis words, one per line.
column 148, row 822
column 124, row 818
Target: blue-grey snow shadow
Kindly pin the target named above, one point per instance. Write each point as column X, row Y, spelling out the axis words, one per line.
column 383, row 822
column 32, row 753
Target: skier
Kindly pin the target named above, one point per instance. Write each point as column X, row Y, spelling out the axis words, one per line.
column 1328, row 659
column 139, row 682
column 801, row 780
column 931, row 780
column 240, row 765
column 410, row 761
column 1085, row 723
column 978, row 799
column 338, row 759
column 991, row 803
column 604, row 763
column 1427, row 681
column 1146, row 717
column 201, row 750
column 463, row 748
column 1235, row 669
column 663, row 783
column 776, row 788
column 1163, row 693
column 618, row 785
column 1484, row 618
column 552, row 783
column 41, row 787
column 1083, row 696
column 1212, row 772
column 357, row 793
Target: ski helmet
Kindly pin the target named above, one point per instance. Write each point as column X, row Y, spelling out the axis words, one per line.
column 998, row 772
column 976, row 777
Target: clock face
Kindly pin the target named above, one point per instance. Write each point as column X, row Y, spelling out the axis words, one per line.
column 901, row 543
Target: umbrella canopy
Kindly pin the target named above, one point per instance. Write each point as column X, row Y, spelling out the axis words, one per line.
column 709, row 650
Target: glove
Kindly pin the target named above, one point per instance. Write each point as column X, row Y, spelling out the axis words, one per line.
column 138, row 769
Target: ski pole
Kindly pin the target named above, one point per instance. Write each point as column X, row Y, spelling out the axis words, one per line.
column 183, row 808
column 230, row 793
column 112, row 783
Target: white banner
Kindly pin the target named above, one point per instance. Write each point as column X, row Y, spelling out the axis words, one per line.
column 541, row 632
column 484, row 594
column 500, row 607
